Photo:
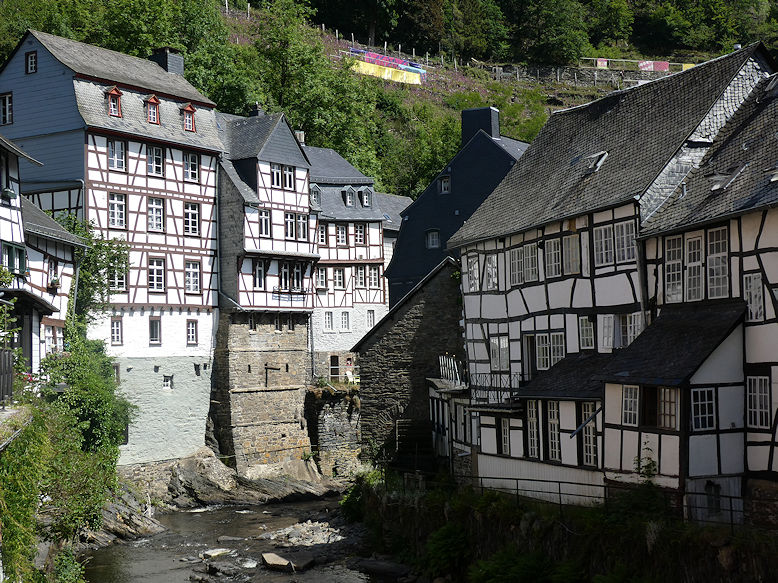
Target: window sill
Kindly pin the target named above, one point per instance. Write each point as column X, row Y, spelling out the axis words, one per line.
column 157, row 291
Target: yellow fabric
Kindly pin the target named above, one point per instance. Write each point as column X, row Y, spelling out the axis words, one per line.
column 686, row 66
column 387, row 73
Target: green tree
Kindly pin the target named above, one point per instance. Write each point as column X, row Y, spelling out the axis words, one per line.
column 554, row 32
column 610, row 21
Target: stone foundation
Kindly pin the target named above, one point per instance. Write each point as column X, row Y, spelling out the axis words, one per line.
column 150, row 479
column 333, row 421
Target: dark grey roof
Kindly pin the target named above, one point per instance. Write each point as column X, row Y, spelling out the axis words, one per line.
column 571, row 378
column 91, row 101
column 391, row 206
column 640, row 128
column 743, row 159
column 333, row 206
column 13, row 148
column 39, row 223
column 248, row 193
column 674, row 346
column 329, row 167
column 109, row 65
column 514, row 147
column 266, row 137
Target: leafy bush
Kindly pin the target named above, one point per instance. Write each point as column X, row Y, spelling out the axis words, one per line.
column 448, row 550
column 509, row 565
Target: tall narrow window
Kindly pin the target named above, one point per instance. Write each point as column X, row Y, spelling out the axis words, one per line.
column 498, row 353
column 275, row 176
column 297, row 277
column 283, row 276
column 543, row 349
column 31, row 62
column 693, row 269
column 667, row 408
column 589, row 434
column 607, row 331
column 328, row 324
column 533, row 437
column 191, row 219
column 264, row 223
column 156, row 275
column 289, row 225
column 289, row 177
column 585, row 333
column 752, row 293
column 156, row 214
column 338, row 278
column 433, row 239
column 191, row 332
column 367, row 198
column 505, row 435
column 553, row 258
column 259, row 274
column 315, row 195
column 360, row 276
column 321, row 277
column 155, row 161
column 629, row 405
column 191, row 166
column 189, row 118
column 116, row 155
column 114, row 102
column 117, row 334
column 342, row 238
column 117, row 211
column 718, row 268
column 603, row 245
column 117, row 280
column 6, row 109
column 571, row 252
column 490, row 272
column 345, row 321
column 374, row 276
column 472, row 273
column 359, row 234
column 444, row 184
column 673, row 269
column 517, row 266
column 557, row 347
column 531, row 262
column 703, row 409
column 155, row 330
column 192, row 277
column 625, row 241
column 758, row 402
column 554, row 442
column 152, row 111
column 322, row 234
column 302, row 227
column 370, row 318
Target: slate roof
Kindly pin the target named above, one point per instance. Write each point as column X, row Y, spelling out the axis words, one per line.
column 333, row 206
column 640, row 128
column 249, row 194
column 39, row 223
column 250, row 137
column 674, row 346
column 392, row 205
column 91, row 102
column 571, row 378
column 514, row 147
column 13, row 148
column 742, row 158
column 117, row 67
column 329, row 167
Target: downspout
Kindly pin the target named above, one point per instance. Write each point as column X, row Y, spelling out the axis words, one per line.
column 640, row 251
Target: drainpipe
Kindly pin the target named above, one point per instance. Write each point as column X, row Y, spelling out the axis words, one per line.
column 642, row 279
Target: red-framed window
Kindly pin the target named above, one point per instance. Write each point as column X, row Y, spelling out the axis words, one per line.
column 152, row 110
column 114, row 102
column 189, row 117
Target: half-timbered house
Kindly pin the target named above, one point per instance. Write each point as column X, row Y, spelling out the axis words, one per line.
column 554, row 285
column 132, row 147
column 483, row 160
column 350, row 293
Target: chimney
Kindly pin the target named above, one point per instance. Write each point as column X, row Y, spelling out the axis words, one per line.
column 480, row 118
column 169, row 59
column 256, row 111
column 300, row 135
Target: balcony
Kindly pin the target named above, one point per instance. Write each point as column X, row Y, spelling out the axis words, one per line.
column 494, row 387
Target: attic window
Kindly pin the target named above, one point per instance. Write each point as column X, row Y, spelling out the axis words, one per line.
column 31, row 62
column 444, row 184
column 367, row 197
column 722, row 181
column 189, row 117
column 596, row 161
column 114, row 102
column 152, row 110
column 348, row 195
column 315, row 194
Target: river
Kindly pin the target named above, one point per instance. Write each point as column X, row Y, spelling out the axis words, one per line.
column 247, row 531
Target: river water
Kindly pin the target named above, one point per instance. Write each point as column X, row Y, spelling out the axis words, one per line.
column 172, row 556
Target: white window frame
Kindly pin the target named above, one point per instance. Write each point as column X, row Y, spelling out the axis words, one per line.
column 341, row 235
column 694, row 275
column 374, row 276
column 322, row 234
column 585, row 333
column 264, row 222
column 321, row 277
column 667, row 408
column 152, row 115
column 554, row 435
column 192, row 277
column 505, row 435
column 345, row 321
column 339, row 278
column 589, row 434
column 607, row 331
column 191, row 166
column 557, row 347
column 754, row 295
column 516, row 257
column 624, row 233
column 674, row 269
column 571, row 254
column 276, row 176
column 302, row 227
column 192, row 219
column 499, row 356
column 543, row 351
column 472, row 273
column 359, row 234
column 552, row 255
column 117, row 332
column 490, row 272
column 703, row 401
column 297, row 277
column 117, row 155
column 630, row 405
column 6, row 109
column 31, row 62
column 155, row 330
column 718, row 263
column 191, row 332
column 155, row 161
column 290, row 225
column 114, row 105
column 284, row 275
column 367, row 198
column 444, row 184
column 189, row 121
column 533, row 429
column 530, row 262
column 432, row 239
column 155, row 212
column 289, row 176
column 328, row 321
column 117, row 210
column 349, row 196
column 603, row 245
column 360, row 280
column 370, row 318
column 758, row 410
column 156, row 274
column 258, row 274
column 117, row 280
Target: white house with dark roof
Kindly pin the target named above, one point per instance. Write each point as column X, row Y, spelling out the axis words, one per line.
column 130, row 145
column 562, row 272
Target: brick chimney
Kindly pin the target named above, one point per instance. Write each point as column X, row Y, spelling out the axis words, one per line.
column 480, row 118
column 169, row 59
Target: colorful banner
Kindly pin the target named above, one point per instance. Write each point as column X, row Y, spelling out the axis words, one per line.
column 388, row 73
column 602, row 63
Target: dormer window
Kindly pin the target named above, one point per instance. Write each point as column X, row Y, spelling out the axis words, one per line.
column 315, row 195
column 349, row 196
column 152, row 110
column 189, row 117
column 114, row 102
column 596, row 161
column 367, row 197
column 444, row 184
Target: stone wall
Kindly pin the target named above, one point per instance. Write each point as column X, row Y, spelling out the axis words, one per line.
column 150, row 479
column 258, row 398
column 347, row 361
column 402, row 352
column 584, row 77
column 333, row 422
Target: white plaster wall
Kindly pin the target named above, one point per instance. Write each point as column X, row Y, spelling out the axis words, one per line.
column 760, row 344
column 612, row 453
column 725, row 364
column 732, row 446
column 341, row 340
column 703, row 455
column 731, row 414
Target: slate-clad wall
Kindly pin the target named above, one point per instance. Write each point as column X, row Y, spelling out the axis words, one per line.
column 258, row 414
column 230, row 235
column 403, row 352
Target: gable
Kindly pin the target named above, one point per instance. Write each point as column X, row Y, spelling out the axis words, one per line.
column 282, row 148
